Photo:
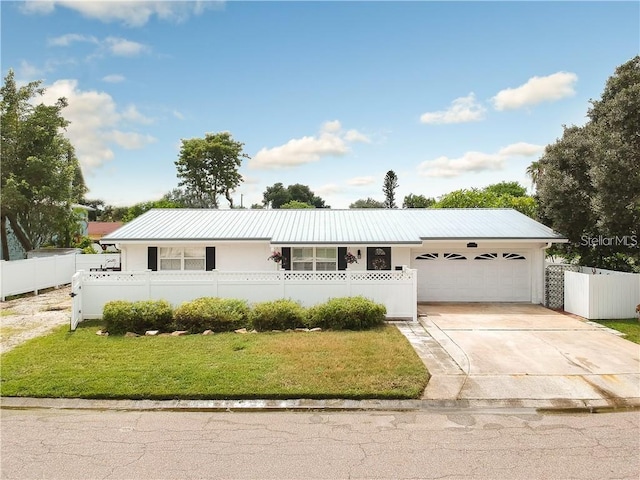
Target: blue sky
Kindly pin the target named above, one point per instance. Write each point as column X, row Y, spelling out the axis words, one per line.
column 332, row 95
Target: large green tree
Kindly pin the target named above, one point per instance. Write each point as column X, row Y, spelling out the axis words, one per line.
column 277, row 195
column 590, row 188
column 367, row 203
column 208, row 167
column 417, row 201
column 389, row 189
column 40, row 177
column 490, row 197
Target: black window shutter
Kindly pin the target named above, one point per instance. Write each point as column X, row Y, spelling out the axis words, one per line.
column 152, row 258
column 342, row 262
column 286, row 258
column 210, row 262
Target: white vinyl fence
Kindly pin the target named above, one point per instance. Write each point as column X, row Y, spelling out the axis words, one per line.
column 397, row 290
column 33, row 274
column 601, row 294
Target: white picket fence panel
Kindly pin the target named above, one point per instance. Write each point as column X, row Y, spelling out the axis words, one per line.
column 397, row 290
column 603, row 295
column 34, row 274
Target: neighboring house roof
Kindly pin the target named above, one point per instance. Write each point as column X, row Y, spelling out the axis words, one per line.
column 100, row 229
column 327, row 226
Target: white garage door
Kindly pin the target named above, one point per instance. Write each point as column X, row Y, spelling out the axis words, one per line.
column 502, row 276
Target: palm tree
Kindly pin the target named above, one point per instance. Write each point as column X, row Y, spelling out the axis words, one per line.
column 535, row 172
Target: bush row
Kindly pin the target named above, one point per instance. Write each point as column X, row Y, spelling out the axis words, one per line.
column 227, row 315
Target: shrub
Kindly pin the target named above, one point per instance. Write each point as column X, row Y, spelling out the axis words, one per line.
column 212, row 313
column 122, row 316
column 278, row 315
column 349, row 313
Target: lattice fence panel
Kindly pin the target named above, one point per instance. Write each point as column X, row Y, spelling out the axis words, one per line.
column 554, row 284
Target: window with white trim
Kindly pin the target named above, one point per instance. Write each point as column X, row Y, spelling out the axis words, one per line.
column 182, row 258
column 314, row 258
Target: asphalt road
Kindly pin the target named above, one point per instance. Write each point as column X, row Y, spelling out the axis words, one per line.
column 455, row 444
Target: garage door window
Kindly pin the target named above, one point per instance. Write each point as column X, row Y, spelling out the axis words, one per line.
column 427, row 256
column 454, row 256
column 487, row 256
column 513, row 256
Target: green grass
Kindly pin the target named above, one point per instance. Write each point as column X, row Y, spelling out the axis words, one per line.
column 629, row 326
column 369, row 364
column 7, row 312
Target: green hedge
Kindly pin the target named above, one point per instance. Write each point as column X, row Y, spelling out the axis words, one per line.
column 278, row 315
column 228, row 314
column 347, row 313
column 138, row 317
column 212, row 313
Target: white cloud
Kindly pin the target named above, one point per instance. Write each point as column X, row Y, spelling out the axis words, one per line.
column 474, row 162
column 132, row 114
column 330, row 141
column 537, row 90
column 113, row 78
column 121, row 47
column 356, row 136
column 69, row 38
column 130, row 140
column 361, row 181
column 130, row 13
column 178, row 115
column 27, row 71
column 462, row 110
column 95, row 123
column 329, row 189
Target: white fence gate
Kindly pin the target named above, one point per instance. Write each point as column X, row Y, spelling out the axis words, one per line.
column 397, row 290
column 601, row 294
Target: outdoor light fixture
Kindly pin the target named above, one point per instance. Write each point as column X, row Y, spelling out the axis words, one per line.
column 472, row 245
column 359, row 254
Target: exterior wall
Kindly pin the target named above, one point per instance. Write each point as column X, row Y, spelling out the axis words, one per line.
column 250, row 256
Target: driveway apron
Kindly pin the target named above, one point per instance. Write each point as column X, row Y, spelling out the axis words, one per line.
column 523, row 352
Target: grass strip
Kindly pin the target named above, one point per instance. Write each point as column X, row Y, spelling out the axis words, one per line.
column 629, row 326
column 353, row 365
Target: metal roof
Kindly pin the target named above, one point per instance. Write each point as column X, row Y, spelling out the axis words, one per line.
column 327, row 226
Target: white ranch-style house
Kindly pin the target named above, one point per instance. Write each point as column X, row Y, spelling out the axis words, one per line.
column 402, row 256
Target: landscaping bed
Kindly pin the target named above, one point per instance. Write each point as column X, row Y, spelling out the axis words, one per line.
column 378, row 363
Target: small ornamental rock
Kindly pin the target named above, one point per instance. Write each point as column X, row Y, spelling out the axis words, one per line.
column 241, row 330
column 254, row 331
column 131, row 334
column 179, row 333
column 208, row 332
column 302, row 329
column 316, row 329
column 151, row 333
column 276, row 331
column 102, row 333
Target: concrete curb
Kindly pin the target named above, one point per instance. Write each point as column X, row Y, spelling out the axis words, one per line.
column 331, row 405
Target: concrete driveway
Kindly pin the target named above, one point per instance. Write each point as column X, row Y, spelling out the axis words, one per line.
column 518, row 353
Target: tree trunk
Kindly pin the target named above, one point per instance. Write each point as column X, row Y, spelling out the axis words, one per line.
column 3, row 238
column 229, row 198
column 17, row 230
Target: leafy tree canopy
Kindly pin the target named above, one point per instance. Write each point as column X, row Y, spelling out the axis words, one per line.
column 488, row 198
column 293, row 204
column 277, row 195
column 589, row 179
column 40, row 175
column 417, row 201
column 208, row 167
column 367, row 203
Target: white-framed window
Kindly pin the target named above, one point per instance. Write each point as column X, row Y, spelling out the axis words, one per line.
column 182, row 258
column 314, row 258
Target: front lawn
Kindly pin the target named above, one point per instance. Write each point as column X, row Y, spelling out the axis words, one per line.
column 378, row 363
column 629, row 326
